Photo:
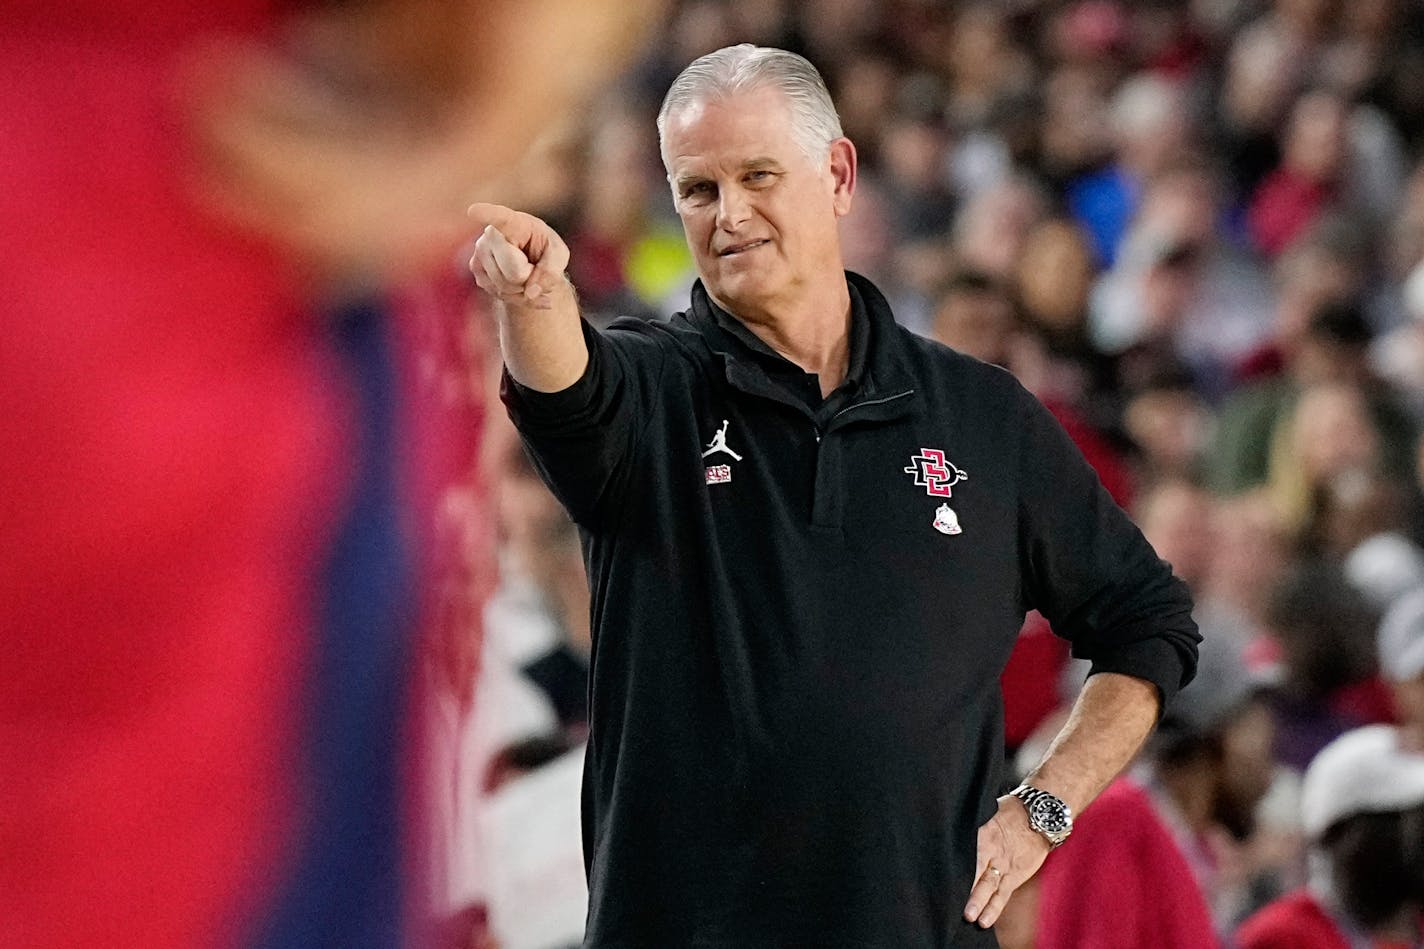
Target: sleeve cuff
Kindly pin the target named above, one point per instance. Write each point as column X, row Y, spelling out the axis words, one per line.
column 1152, row 660
column 530, row 407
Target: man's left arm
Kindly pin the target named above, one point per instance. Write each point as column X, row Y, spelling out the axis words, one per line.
column 1090, row 571
column 1110, row 720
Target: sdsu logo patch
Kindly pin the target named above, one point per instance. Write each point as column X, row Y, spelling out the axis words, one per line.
column 938, row 476
column 934, row 473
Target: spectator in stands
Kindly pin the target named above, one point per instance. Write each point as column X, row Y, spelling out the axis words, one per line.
column 974, row 314
column 1362, row 808
column 990, row 231
column 1177, row 287
column 1054, row 356
column 1074, row 132
column 1406, row 227
column 1053, row 282
column 1328, row 435
column 530, row 700
column 1151, row 130
column 1252, row 446
column 1260, row 77
column 983, row 62
column 617, row 218
column 1358, row 524
column 534, row 667
column 1252, row 551
column 1376, row 56
column 1092, row 35
column 1168, row 425
column 1401, row 659
column 1310, row 177
column 1329, row 265
column 1398, row 357
column 914, row 152
column 1177, row 519
column 865, row 87
column 1322, row 631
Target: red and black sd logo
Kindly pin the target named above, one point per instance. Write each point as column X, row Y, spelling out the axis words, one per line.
column 935, row 473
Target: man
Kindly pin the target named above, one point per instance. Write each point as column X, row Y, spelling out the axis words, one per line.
column 796, row 722
column 1362, row 807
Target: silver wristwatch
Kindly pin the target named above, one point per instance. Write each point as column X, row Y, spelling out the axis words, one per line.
column 1046, row 814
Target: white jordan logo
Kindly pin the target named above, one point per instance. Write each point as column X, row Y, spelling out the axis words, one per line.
column 719, row 443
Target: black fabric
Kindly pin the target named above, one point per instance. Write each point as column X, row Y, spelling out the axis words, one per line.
column 562, row 675
column 795, row 708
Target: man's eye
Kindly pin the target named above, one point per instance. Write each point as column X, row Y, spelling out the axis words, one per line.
column 758, row 175
column 700, row 189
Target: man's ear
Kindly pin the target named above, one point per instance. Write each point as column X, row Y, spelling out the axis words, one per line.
column 843, row 167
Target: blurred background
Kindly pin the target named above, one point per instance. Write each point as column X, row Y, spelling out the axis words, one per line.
column 1195, row 230
column 287, row 608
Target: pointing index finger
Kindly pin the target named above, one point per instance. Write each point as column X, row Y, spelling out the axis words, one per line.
column 484, row 215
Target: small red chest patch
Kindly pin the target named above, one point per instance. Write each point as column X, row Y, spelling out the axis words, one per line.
column 719, row 474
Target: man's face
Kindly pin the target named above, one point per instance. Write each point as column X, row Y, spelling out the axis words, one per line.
column 759, row 215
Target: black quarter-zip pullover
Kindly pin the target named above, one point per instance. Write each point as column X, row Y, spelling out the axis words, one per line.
column 799, row 622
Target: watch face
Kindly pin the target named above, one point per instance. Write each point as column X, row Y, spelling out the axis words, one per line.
column 1048, row 816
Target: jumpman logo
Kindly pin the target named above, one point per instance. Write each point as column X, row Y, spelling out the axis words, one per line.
column 719, row 443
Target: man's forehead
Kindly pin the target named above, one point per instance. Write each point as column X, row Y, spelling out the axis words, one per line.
column 752, row 126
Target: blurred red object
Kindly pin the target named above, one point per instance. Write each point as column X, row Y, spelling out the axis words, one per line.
column 172, row 452
column 177, row 435
column 1030, row 680
column 1096, row 27
column 1123, row 883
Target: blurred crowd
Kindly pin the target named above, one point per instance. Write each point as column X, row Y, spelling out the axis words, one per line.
column 1195, row 230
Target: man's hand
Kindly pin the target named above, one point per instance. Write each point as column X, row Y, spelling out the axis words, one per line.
column 520, row 261
column 1109, row 721
column 518, row 258
column 1010, row 853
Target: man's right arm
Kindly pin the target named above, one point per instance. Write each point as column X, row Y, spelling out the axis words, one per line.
column 580, row 399
column 519, row 260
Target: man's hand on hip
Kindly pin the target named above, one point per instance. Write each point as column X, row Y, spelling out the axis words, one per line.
column 1107, row 725
column 1010, row 853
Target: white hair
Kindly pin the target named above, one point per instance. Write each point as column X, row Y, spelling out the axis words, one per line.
column 743, row 68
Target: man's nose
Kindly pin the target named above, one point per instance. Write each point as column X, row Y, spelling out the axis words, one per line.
column 732, row 209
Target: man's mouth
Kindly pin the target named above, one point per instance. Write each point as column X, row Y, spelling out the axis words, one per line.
column 740, row 248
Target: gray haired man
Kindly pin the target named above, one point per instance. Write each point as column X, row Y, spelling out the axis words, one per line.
column 796, row 721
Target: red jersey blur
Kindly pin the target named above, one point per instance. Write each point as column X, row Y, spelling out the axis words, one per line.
column 171, row 457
